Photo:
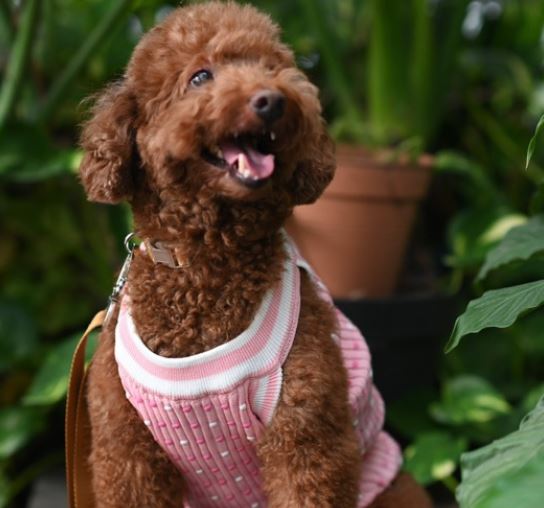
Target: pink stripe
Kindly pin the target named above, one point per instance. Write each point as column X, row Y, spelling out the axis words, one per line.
column 207, row 436
column 218, row 365
column 380, row 465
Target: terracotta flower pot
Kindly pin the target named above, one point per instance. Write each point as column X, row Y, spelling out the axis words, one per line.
column 355, row 235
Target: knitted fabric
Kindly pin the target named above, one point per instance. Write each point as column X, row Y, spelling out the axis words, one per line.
column 208, row 411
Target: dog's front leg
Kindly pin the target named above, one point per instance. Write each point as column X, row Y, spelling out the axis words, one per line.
column 129, row 469
column 310, row 453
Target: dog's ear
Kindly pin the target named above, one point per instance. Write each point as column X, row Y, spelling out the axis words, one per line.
column 108, row 141
column 315, row 170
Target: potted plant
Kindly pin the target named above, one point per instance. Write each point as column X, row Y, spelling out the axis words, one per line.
column 356, row 234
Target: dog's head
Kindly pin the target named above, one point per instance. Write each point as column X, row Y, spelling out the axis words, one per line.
column 211, row 103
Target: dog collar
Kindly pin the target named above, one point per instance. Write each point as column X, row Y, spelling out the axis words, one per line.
column 159, row 253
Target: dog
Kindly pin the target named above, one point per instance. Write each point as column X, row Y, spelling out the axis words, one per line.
column 225, row 378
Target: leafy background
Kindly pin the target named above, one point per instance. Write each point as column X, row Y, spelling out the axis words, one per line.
column 461, row 80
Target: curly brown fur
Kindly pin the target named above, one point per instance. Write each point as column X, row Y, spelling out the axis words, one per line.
column 125, row 459
column 310, row 455
column 145, row 143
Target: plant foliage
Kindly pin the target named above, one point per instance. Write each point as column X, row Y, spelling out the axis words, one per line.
column 453, row 77
column 509, row 471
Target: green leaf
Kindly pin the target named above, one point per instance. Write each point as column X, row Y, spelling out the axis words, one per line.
column 111, row 19
column 18, row 60
column 433, row 456
column 532, row 143
column 479, row 187
column 61, row 162
column 469, row 399
column 519, row 244
column 477, row 230
column 522, row 489
column 28, row 155
column 17, row 426
column 18, row 336
column 532, row 398
column 409, row 415
column 498, row 308
column 508, row 472
column 51, row 382
column 20, row 142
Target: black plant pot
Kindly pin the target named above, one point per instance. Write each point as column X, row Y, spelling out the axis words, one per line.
column 406, row 335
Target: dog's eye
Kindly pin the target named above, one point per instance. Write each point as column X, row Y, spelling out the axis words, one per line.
column 200, row 77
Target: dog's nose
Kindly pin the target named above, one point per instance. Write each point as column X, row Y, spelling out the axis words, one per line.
column 268, row 105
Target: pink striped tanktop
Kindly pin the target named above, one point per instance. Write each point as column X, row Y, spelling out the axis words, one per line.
column 207, row 411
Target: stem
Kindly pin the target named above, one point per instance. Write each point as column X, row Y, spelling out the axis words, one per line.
column 496, row 132
column 6, row 17
column 456, row 280
column 422, row 72
column 18, row 60
column 389, row 62
column 451, row 483
column 446, row 45
column 348, row 105
column 92, row 42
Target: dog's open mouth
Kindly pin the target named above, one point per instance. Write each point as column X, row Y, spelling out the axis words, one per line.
column 246, row 157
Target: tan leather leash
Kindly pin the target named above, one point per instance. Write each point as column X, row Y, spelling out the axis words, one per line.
column 77, row 423
column 77, row 426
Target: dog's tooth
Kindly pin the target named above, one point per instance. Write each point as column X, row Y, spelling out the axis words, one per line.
column 216, row 151
column 242, row 168
column 273, row 136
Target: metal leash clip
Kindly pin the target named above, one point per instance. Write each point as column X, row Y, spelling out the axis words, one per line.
column 130, row 245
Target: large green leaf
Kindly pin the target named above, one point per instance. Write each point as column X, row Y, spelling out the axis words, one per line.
column 498, row 308
column 519, row 244
column 433, row 456
column 469, row 399
column 17, row 426
column 507, row 473
column 50, row 384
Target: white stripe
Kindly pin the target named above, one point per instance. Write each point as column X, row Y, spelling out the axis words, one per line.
column 175, row 363
column 222, row 380
column 260, row 394
column 231, row 346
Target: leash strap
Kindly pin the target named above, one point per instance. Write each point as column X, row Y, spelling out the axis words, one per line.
column 77, row 426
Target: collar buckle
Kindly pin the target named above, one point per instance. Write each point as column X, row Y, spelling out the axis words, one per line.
column 159, row 253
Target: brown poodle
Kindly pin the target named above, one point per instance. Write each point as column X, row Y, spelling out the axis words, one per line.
column 213, row 136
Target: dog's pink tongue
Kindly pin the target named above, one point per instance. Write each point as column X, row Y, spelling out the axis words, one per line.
column 248, row 159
